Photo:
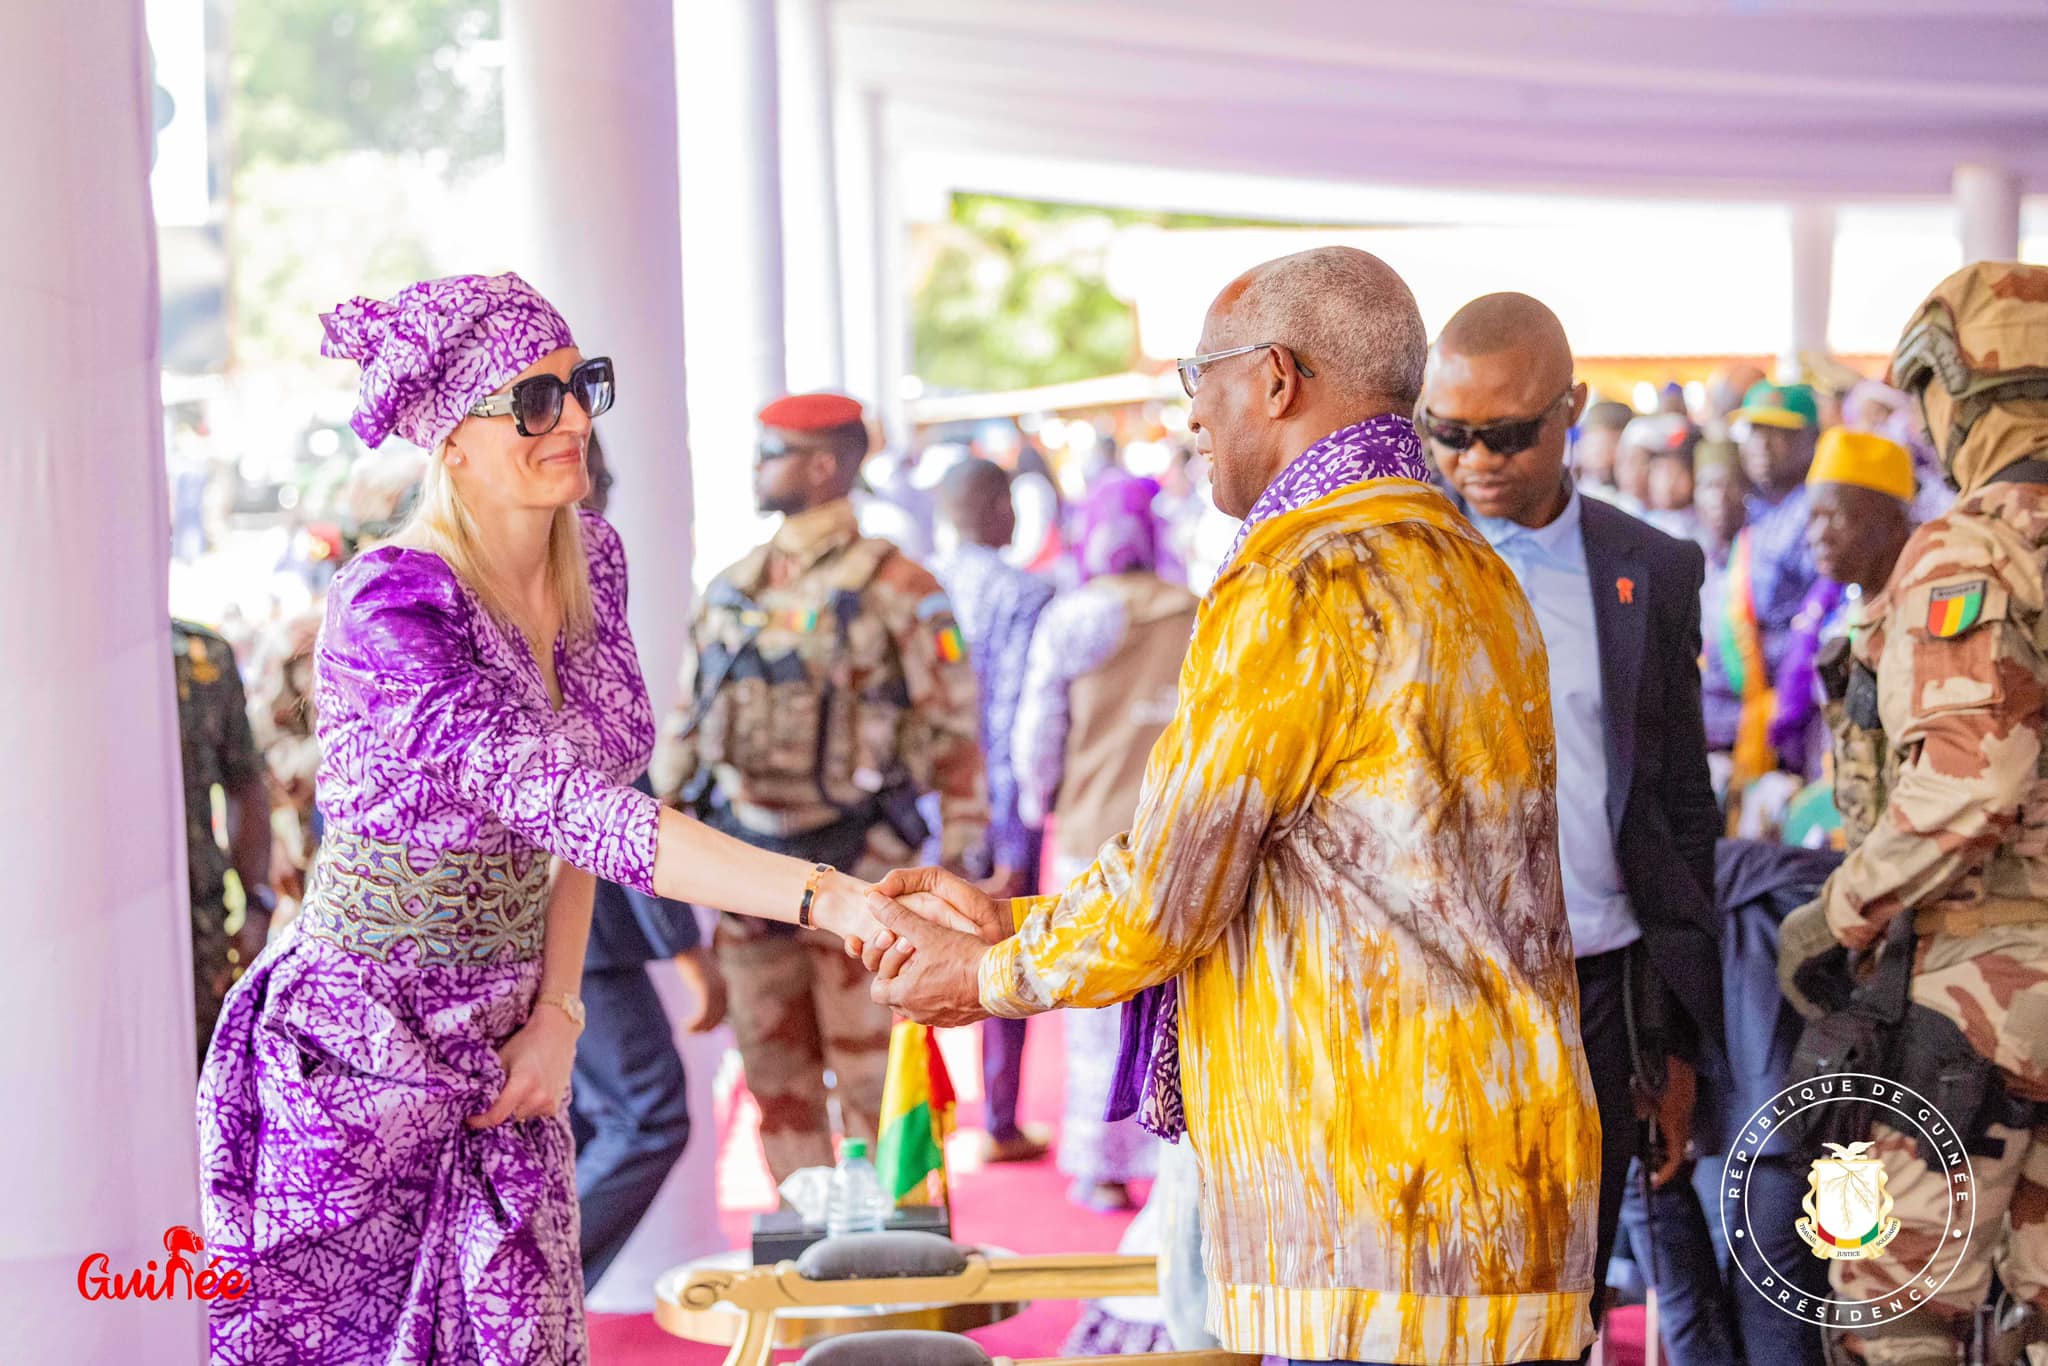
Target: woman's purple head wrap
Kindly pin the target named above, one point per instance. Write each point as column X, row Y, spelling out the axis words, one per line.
column 1114, row 530
column 433, row 349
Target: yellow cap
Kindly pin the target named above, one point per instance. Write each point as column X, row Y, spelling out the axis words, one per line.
column 1865, row 460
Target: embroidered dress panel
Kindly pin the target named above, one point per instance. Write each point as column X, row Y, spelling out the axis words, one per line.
column 370, row 895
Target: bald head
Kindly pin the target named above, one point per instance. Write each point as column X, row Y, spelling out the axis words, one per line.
column 1338, row 340
column 974, row 498
column 1344, row 312
column 1497, row 404
column 1498, row 324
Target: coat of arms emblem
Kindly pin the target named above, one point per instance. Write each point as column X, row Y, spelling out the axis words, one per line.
column 1848, row 1210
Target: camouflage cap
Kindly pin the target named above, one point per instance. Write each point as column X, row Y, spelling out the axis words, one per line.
column 1979, row 341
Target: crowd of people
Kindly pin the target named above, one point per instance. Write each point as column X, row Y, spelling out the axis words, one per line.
column 1412, row 872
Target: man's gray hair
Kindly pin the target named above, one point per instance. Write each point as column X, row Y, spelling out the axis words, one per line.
column 1346, row 315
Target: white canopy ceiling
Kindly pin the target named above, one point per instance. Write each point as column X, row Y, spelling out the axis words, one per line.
column 1769, row 98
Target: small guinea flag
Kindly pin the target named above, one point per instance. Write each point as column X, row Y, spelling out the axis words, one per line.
column 952, row 645
column 917, row 1116
column 1955, row 609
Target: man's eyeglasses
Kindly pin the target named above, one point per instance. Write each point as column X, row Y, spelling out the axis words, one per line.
column 535, row 404
column 1191, row 367
column 1504, row 439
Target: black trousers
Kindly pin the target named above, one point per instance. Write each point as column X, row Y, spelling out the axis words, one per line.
column 1604, row 1030
column 629, row 1109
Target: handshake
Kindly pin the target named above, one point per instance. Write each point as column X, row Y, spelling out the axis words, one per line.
column 922, row 932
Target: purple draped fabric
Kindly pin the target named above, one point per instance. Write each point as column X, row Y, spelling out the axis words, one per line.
column 436, row 729
column 1147, row 1080
column 1798, row 688
column 433, row 349
column 1115, row 531
column 336, row 1168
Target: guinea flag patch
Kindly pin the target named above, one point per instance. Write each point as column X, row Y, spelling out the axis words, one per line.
column 952, row 645
column 1955, row 609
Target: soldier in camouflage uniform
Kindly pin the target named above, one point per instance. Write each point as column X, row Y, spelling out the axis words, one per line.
column 1944, row 780
column 283, row 719
column 217, row 749
column 826, row 688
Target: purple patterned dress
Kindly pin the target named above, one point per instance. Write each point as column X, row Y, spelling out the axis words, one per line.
column 337, row 1170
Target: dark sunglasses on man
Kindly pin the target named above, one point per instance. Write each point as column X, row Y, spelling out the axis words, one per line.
column 536, row 404
column 1505, row 438
column 773, row 448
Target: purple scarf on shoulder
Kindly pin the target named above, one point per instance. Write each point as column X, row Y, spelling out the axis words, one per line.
column 1147, row 1082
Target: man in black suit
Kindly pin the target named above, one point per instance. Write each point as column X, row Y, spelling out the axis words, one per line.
column 1618, row 601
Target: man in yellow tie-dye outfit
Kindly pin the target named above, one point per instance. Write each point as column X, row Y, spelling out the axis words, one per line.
column 1338, row 913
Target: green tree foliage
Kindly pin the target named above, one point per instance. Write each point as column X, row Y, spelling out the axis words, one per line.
column 354, row 124
column 1012, row 293
column 316, row 78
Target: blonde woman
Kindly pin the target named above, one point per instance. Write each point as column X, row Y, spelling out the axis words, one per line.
column 385, row 1151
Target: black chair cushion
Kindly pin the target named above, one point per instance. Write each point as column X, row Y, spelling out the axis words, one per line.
column 877, row 1256
column 897, row 1349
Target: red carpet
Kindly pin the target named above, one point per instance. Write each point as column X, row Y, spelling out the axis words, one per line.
column 1019, row 1207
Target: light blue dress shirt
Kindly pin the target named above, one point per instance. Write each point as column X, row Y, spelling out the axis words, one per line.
column 1550, row 562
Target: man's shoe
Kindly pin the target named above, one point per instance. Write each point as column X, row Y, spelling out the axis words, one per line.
column 1104, row 1197
column 1030, row 1143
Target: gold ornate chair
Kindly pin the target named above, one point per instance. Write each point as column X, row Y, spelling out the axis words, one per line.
column 876, row 1270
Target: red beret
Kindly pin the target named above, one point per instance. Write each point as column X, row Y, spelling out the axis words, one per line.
column 810, row 412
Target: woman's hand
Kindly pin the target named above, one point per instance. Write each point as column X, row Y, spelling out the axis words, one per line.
column 942, row 898
column 844, row 907
column 950, row 900
column 841, row 908
column 537, row 1063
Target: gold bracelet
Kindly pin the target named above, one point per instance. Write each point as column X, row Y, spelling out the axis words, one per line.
column 572, row 1006
column 803, row 910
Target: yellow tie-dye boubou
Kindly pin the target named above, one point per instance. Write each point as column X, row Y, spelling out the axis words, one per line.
column 1347, row 853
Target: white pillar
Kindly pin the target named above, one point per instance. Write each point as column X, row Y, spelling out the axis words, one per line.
column 732, row 258
column 606, row 246
column 873, row 238
column 99, row 1151
column 1813, row 270
column 893, row 347
column 1988, row 213
column 603, row 241
column 816, row 348
column 758, row 198
column 858, row 160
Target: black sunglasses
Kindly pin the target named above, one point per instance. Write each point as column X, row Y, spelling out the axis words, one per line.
column 1504, row 439
column 536, row 404
column 772, row 448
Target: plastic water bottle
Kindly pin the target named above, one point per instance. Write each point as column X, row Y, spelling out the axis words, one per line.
column 854, row 1203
